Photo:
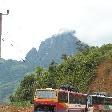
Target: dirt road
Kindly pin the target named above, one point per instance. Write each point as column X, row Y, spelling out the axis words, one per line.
column 10, row 108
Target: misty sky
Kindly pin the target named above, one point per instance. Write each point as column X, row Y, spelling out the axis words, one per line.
column 32, row 21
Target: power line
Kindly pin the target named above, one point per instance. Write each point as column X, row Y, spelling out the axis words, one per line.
column 13, row 45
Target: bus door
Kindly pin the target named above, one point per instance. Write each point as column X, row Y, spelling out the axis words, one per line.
column 89, row 104
column 96, row 102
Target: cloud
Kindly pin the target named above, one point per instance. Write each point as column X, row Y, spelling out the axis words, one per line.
column 31, row 21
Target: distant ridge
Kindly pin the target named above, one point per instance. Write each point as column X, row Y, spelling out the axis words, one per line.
column 54, row 47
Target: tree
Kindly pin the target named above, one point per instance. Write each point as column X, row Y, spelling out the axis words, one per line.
column 64, row 57
column 25, row 91
column 81, row 46
column 39, row 75
column 52, row 74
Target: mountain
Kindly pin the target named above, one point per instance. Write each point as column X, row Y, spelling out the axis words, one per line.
column 12, row 71
column 32, row 57
column 54, row 47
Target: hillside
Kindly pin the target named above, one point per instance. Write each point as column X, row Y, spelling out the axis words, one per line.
column 88, row 71
column 103, row 80
column 12, row 71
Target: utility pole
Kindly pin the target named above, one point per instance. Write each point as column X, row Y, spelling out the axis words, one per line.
column 1, row 28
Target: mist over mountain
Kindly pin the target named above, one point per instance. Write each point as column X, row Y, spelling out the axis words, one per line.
column 53, row 48
column 12, row 71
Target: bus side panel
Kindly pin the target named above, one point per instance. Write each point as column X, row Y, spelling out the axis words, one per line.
column 61, row 107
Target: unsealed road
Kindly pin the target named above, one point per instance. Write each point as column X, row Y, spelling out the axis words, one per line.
column 11, row 108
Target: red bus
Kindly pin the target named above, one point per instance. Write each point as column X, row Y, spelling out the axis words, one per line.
column 58, row 100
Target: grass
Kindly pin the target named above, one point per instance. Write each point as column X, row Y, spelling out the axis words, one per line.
column 22, row 104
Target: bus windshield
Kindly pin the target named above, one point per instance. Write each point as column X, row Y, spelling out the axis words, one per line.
column 45, row 94
column 108, row 101
column 97, row 100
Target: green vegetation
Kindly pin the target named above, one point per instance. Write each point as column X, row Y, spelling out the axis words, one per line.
column 25, row 90
column 11, row 72
column 21, row 104
column 77, row 70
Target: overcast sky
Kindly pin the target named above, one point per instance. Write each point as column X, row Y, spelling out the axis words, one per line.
column 32, row 21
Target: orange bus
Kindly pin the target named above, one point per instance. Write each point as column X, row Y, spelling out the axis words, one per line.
column 58, row 100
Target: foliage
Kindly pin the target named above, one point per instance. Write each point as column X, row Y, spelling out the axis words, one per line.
column 11, row 72
column 21, row 104
column 81, row 46
column 25, row 91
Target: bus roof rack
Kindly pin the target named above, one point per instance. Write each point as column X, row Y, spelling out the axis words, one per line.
column 49, row 88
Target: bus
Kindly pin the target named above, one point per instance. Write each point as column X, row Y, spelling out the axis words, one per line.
column 95, row 103
column 58, row 100
column 108, row 104
column 99, row 103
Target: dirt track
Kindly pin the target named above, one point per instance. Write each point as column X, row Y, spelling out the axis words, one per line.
column 10, row 108
column 103, row 80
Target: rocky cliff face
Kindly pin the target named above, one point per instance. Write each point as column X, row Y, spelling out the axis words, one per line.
column 31, row 58
column 53, row 48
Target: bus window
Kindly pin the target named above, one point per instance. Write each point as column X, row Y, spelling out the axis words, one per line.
column 63, row 96
column 77, row 99
column 97, row 100
column 72, row 98
column 82, row 100
column 108, row 101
